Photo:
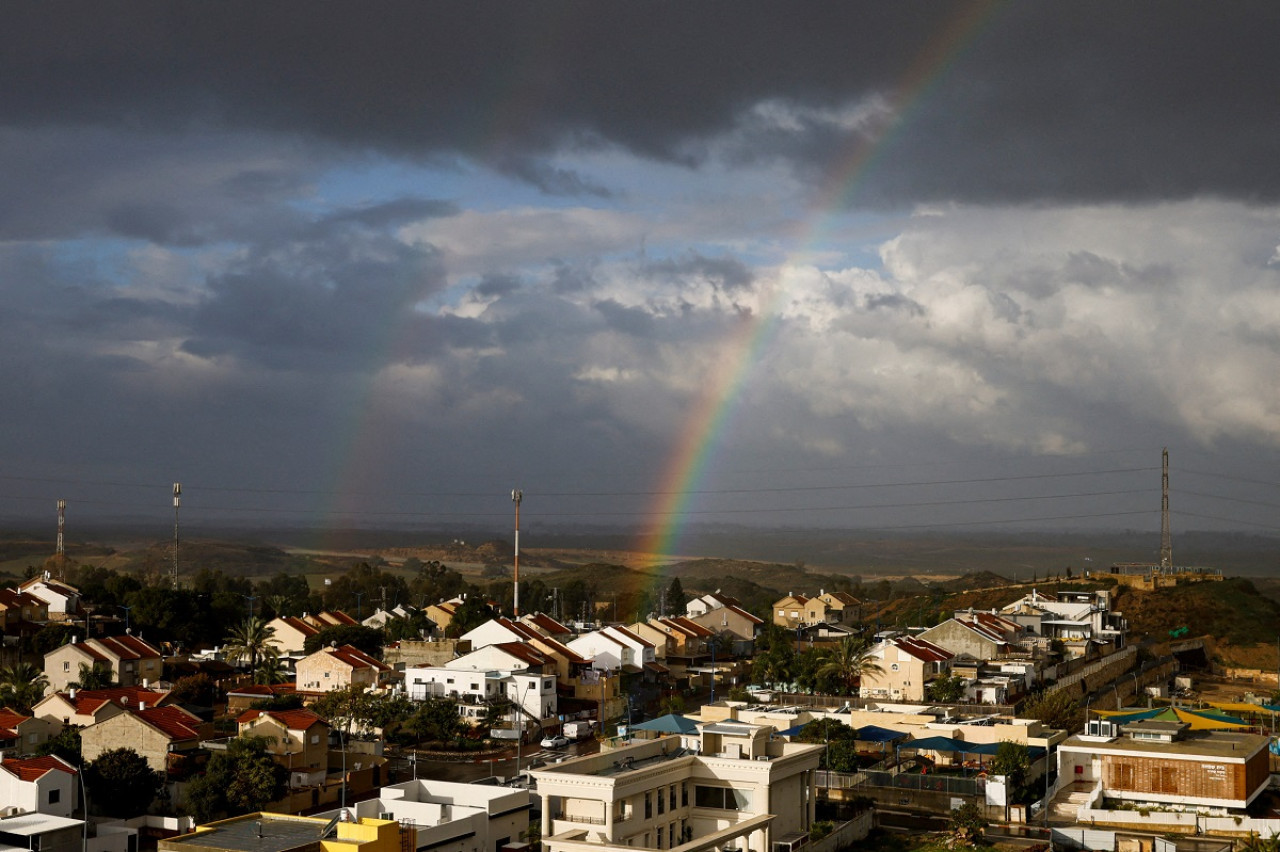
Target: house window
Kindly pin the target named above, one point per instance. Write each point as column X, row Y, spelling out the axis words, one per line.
column 673, row 797
column 66, row 666
column 648, row 809
column 315, row 738
column 662, row 803
column 326, row 674
column 55, row 796
column 723, row 798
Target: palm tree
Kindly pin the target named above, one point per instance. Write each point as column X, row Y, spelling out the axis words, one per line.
column 251, row 639
column 848, row 662
column 22, row 685
column 270, row 670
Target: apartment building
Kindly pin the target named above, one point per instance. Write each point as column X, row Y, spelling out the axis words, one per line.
column 730, row 784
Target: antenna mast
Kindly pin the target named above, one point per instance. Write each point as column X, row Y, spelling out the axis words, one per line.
column 1166, row 538
column 516, row 496
column 177, row 503
column 62, row 526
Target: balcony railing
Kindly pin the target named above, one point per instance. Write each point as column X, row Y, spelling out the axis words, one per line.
column 589, row 820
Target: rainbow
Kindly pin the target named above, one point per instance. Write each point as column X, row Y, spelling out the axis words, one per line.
column 695, row 450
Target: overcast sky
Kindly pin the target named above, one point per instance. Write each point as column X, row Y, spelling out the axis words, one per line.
column 895, row 264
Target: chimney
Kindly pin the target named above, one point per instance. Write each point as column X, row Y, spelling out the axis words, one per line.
column 71, row 693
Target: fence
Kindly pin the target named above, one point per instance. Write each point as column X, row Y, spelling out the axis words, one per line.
column 954, row 785
column 846, row 834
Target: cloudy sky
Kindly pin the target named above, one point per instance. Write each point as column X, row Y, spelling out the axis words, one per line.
column 903, row 264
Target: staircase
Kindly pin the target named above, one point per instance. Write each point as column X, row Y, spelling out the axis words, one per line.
column 1066, row 804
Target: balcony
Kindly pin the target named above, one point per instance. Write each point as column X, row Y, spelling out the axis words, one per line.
column 586, row 820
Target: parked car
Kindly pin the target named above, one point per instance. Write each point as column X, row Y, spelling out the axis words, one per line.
column 555, row 741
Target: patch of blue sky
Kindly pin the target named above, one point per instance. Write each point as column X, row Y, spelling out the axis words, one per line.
column 96, row 261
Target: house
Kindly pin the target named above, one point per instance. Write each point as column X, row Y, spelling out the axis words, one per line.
column 21, row 734
column 729, row 785
column 442, row 613
column 269, row 832
column 497, row 630
column 241, row 698
column 614, row 647
column 330, row 618
column 159, row 734
column 1082, row 621
column 1151, row 762
column 21, row 612
column 907, row 665
column 338, row 668
column 46, row 785
column 790, row 611
column 547, row 626
column 62, row 600
column 834, row 608
column 130, row 660
column 297, row 739
column 289, row 634
column 506, row 672
column 730, row 618
column 981, row 635
column 84, row 707
column 448, row 816
column 703, row 604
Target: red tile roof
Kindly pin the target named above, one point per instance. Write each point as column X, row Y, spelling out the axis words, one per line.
column 923, row 649
column 742, row 612
column 34, row 768
column 128, row 647
column 526, row 654
column 337, row 617
column 12, row 598
column 628, row 634
column 10, row 718
column 89, row 701
column 86, row 648
column 558, row 647
column 355, row 658
column 265, row 690
column 548, row 624
column 293, row 720
column 173, row 722
column 300, row 625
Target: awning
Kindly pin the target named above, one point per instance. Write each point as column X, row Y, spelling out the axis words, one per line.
column 672, row 723
column 876, row 734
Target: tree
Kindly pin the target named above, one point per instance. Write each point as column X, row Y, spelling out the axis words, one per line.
column 21, row 686
column 676, row 598
column 470, row 614
column 947, row 690
column 121, row 784
column 50, row 637
column 1012, row 760
column 66, row 745
column 270, row 670
column 363, row 587
column 1055, row 709
column 967, row 822
column 435, row 719
column 240, row 780
column 251, row 640
column 848, row 662
column 95, row 676
column 367, row 639
column 196, row 689
column 671, row 704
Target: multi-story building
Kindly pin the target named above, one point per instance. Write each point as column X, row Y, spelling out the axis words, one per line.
column 130, row 660
column 447, row 816
column 21, row 734
column 289, row 634
column 508, row 672
column 159, row 734
column 62, row 599
column 83, row 707
column 729, row 784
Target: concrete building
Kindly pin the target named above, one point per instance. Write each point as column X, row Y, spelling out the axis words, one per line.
column 508, row 671
column 130, row 660
column 21, row 734
column 289, row 634
column 61, row 599
column 703, row 604
column 730, row 618
column 447, row 816
column 84, row 707
column 728, row 785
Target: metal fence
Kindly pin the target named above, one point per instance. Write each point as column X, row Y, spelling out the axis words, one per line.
column 955, row 785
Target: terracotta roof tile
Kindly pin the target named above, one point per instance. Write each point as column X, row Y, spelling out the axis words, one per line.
column 174, row 722
column 34, row 768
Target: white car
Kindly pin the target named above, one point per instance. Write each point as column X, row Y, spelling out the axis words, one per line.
column 556, row 741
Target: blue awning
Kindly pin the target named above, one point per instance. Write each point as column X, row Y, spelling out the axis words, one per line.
column 876, row 734
column 668, row 724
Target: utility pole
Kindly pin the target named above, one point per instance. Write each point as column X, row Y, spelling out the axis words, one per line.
column 516, row 496
column 1166, row 537
column 177, row 503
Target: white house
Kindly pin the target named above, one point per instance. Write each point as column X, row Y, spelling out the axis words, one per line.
column 46, row 785
column 507, row 670
column 614, row 647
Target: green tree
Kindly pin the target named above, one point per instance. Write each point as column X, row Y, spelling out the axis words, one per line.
column 1056, row 709
column 676, row 598
column 363, row 588
column 66, row 745
column 1013, row 761
column 968, row 822
column 284, row 701
column 50, row 637
column 285, row 594
column 848, row 662
column 436, row 719
column 350, row 709
column 947, row 690
column 120, row 783
column 240, row 780
column 251, row 640
column 270, row 670
column 198, row 689
column 95, row 676
column 21, row 686
column 367, row 639
column 671, row 704
column 470, row 614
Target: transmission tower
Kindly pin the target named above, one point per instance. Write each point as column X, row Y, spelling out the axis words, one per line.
column 62, row 545
column 516, row 496
column 1166, row 537
column 177, row 503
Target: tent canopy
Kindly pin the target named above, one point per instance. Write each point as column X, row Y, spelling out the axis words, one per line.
column 671, row 723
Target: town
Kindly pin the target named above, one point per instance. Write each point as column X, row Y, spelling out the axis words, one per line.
column 706, row 726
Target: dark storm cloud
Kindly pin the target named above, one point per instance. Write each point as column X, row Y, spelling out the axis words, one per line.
column 725, row 273
column 999, row 100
